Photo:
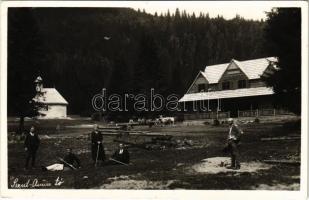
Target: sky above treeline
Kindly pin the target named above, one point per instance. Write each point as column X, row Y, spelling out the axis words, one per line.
column 255, row 11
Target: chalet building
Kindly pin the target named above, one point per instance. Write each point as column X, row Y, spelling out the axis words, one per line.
column 54, row 105
column 232, row 87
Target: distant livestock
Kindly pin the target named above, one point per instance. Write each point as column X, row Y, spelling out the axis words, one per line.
column 158, row 121
column 166, row 120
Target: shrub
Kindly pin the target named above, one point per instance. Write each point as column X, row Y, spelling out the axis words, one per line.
column 85, row 113
column 293, row 125
column 96, row 117
column 179, row 118
column 206, row 123
column 216, row 122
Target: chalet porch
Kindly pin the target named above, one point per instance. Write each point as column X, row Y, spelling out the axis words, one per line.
column 255, row 106
column 240, row 113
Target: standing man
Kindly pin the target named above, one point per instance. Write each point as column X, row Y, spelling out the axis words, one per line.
column 233, row 139
column 31, row 144
column 97, row 148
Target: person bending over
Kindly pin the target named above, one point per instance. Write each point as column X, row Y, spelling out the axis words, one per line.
column 69, row 162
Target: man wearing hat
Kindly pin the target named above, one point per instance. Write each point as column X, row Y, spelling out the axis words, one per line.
column 31, row 144
column 233, row 139
column 121, row 154
column 97, row 148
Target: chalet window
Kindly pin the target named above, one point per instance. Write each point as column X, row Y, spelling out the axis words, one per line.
column 242, row 84
column 202, row 87
column 226, row 85
column 44, row 107
column 233, row 71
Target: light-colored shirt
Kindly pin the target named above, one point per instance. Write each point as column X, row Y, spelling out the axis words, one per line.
column 231, row 136
column 234, row 132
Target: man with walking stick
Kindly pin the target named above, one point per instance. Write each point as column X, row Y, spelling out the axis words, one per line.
column 97, row 148
column 234, row 135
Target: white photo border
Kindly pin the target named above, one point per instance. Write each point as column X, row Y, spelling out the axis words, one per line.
column 151, row 194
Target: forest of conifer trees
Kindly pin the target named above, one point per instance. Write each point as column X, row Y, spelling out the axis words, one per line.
column 82, row 50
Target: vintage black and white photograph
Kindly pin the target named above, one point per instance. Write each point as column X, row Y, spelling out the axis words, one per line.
column 154, row 96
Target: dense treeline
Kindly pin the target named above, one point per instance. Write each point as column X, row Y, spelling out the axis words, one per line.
column 82, row 50
column 283, row 36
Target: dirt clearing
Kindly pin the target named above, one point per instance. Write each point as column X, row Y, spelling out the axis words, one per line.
column 217, row 165
column 126, row 182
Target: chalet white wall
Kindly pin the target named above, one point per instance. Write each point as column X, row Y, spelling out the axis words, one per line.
column 54, row 111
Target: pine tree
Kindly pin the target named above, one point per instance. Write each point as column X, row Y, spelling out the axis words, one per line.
column 26, row 58
column 283, row 37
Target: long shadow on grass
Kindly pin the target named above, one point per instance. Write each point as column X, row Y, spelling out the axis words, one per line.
column 239, row 181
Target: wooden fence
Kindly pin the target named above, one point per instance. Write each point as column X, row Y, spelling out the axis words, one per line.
column 262, row 112
column 241, row 113
column 206, row 115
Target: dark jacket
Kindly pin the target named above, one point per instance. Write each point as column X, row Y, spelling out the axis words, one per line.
column 32, row 142
column 122, row 157
column 97, row 150
column 235, row 132
column 96, row 137
column 72, row 160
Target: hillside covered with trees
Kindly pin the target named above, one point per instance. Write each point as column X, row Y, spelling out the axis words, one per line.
column 82, row 50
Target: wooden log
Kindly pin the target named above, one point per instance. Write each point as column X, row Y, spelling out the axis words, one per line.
column 294, row 135
column 280, row 138
column 122, row 131
column 141, row 146
column 110, row 128
column 135, row 133
column 127, row 124
column 290, row 162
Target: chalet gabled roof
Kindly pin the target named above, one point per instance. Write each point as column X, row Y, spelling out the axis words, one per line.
column 237, row 63
column 203, row 74
column 52, row 96
column 253, row 69
column 38, row 79
column 214, row 72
